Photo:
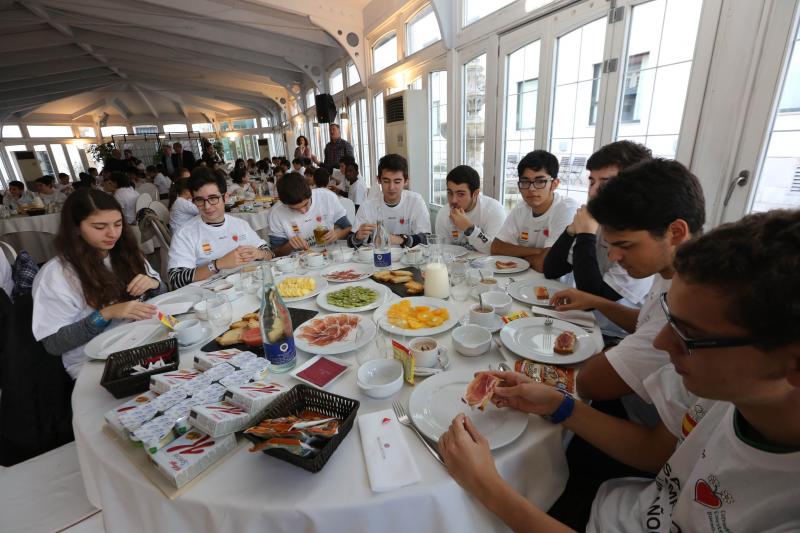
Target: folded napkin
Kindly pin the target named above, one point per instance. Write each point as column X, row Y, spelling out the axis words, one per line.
column 390, row 464
column 584, row 319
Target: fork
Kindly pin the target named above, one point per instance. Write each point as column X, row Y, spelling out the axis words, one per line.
column 548, row 328
column 403, row 418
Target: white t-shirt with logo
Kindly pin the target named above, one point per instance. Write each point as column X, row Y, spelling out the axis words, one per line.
column 325, row 209
column 357, row 192
column 198, row 243
column 181, row 212
column 409, row 217
column 127, row 196
column 488, row 216
column 163, row 183
column 714, row 482
column 521, row 228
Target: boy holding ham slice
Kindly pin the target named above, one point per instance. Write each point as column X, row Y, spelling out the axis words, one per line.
column 728, row 462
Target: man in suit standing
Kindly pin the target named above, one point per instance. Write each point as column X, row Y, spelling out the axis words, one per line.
column 182, row 158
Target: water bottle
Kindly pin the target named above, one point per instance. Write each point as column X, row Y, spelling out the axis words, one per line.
column 382, row 249
column 276, row 326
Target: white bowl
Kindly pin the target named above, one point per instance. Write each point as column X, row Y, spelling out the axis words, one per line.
column 471, row 340
column 397, row 254
column 380, row 378
column 500, row 301
column 200, row 310
column 286, row 264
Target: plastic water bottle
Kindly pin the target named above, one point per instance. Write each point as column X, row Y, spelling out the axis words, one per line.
column 276, row 326
column 382, row 251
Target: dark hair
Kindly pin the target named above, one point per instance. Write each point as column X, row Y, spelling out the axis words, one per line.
column 151, row 168
column 650, row 196
column 297, row 161
column 465, row 174
column 293, row 189
column 352, row 165
column 91, row 168
column 46, row 180
column 301, row 137
column 63, row 175
column 347, row 159
column 121, row 179
column 85, row 180
column 16, row 184
column 621, row 154
column 334, row 125
column 322, row 177
column 394, row 163
column 754, row 262
column 177, row 187
column 204, row 176
column 306, row 161
column 239, row 162
column 539, row 160
column 100, row 286
column 238, row 174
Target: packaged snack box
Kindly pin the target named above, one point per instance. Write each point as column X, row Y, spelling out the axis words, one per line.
column 240, row 377
column 216, row 373
column 558, row 377
column 112, row 416
column 219, row 418
column 189, row 455
column 258, row 367
column 161, row 383
column 155, row 434
column 169, row 398
column 235, row 357
column 137, row 416
column 253, row 397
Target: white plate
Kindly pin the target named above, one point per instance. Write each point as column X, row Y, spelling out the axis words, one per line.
column 437, row 400
column 525, row 291
column 382, row 290
column 325, row 263
column 125, row 336
column 321, row 285
column 363, row 270
column 453, row 249
column 416, row 301
column 497, row 323
column 178, row 302
column 365, row 332
column 528, row 338
column 313, row 360
column 489, row 263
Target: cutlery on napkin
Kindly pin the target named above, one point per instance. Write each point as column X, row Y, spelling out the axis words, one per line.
column 583, row 319
column 390, row 464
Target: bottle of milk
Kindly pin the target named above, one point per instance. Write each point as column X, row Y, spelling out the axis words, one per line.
column 437, row 280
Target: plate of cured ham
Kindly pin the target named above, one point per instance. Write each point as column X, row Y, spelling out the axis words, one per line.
column 347, row 273
column 437, row 400
column 557, row 343
column 335, row 333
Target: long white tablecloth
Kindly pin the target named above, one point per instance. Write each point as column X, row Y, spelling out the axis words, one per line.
column 258, row 219
column 39, row 244
column 253, row 492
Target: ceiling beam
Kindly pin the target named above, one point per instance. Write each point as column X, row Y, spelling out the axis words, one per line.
column 31, row 57
column 144, row 99
column 94, row 106
column 33, row 40
column 16, row 17
column 36, row 100
column 55, row 90
column 44, row 69
column 54, row 79
column 120, row 107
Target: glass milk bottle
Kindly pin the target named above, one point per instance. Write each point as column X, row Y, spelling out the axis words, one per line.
column 276, row 326
column 437, row 280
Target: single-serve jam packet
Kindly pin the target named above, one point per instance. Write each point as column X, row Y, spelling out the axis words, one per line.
column 555, row 376
column 112, row 416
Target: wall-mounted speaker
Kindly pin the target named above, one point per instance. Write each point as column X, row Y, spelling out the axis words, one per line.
column 326, row 108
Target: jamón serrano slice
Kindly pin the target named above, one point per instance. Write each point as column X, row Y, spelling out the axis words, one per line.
column 480, row 390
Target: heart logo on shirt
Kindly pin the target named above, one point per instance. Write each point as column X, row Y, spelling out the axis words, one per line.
column 402, row 221
column 235, row 237
column 319, row 218
column 546, row 232
column 705, row 495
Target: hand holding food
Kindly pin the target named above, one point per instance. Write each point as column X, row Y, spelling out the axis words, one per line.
column 520, row 392
column 571, row 299
column 480, row 390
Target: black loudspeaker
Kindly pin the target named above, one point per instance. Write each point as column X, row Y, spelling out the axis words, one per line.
column 326, row 108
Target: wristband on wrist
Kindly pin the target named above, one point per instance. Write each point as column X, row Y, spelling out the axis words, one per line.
column 212, row 267
column 469, row 230
column 97, row 320
column 564, row 410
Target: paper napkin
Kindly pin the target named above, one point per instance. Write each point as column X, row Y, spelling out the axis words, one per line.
column 390, row 464
column 584, row 319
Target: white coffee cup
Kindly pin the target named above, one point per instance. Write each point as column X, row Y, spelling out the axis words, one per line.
column 365, row 253
column 286, row 264
column 500, row 301
column 188, row 331
column 487, row 284
column 482, row 316
column 314, row 259
column 425, row 351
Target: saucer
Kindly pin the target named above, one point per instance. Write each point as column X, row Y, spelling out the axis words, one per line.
column 494, row 328
column 324, row 264
column 443, row 363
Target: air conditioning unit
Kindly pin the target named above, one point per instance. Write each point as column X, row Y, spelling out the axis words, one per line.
column 406, row 123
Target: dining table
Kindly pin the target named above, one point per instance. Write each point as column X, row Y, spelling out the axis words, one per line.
column 251, row 492
column 33, row 233
column 258, row 219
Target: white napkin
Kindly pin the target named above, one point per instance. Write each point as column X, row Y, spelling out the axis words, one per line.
column 584, row 319
column 390, row 464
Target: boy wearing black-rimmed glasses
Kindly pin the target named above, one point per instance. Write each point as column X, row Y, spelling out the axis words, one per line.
column 533, row 226
column 212, row 241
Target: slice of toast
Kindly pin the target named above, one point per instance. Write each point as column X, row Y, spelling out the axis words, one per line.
column 230, row 337
column 414, row 287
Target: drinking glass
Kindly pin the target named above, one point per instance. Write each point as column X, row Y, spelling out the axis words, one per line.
column 460, row 289
column 250, row 283
column 379, row 348
column 220, row 311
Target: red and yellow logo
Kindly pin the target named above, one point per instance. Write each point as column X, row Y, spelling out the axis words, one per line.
column 206, row 248
column 455, row 234
column 295, row 228
column 524, row 235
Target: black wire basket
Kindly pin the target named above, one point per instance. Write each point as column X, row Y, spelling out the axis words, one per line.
column 117, row 378
column 297, row 400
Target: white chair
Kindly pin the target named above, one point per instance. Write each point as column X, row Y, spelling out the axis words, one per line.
column 163, row 250
column 161, row 210
column 11, row 253
column 149, row 189
column 46, row 493
column 350, row 207
column 143, row 201
column 39, row 244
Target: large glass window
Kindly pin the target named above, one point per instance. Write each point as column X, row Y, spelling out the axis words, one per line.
column 310, row 101
column 354, row 133
column 108, row 131
column 437, row 85
column 50, row 131
column 422, row 30
column 175, row 128
column 380, row 132
column 474, row 113
column 779, row 179
column 363, row 130
column 203, row 127
column 60, row 159
column 75, row 159
column 243, row 124
column 139, row 130
column 659, row 60
column 14, row 166
column 522, row 92
column 87, row 131
column 477, row 9
column 384, row 53
column 352, row 75
column 11, row 131
column 336, row 82
column 44, row 159
column 578, row 55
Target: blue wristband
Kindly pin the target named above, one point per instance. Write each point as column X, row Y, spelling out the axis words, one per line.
column 98, row 320
column 564, row 410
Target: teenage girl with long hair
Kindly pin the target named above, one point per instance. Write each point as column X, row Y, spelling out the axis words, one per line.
column 99, row 274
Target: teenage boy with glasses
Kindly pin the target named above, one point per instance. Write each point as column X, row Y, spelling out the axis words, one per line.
column 534, row 225
column 213, row 241
column 728, row 462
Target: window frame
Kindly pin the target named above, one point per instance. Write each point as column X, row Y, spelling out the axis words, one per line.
column 383, row 41
column 418, row 15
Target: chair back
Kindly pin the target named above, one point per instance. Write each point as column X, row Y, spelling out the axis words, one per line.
column 150, row 189
column 40, row 244
column 143, row 201
column 350, row 207
column 160, row 210
column 9, row 251
column 164, row 238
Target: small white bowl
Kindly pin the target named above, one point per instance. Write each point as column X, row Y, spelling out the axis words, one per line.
column 200, row 310
column 397, row 254
column 380, row 378
column 471, row 340
column 287, row 264
column 500, row 301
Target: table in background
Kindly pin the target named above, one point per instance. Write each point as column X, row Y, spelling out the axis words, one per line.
column 36, row 234
column 254, row 492
column 258, row 220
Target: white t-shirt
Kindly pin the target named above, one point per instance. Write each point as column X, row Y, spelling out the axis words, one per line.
column 521, row 228
column 713, row 482
column 25, row 198
column 58, row 301
column 409, row 217
column 488, row 216
column 181, row 212
column 301, row 170
column 325, row 209
column 6, row 279
column 197, row 243
column 127, row 196
column 60, row 187
column 635, row 358
column 56, row 197
column 163, row 184
column 357, row 192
